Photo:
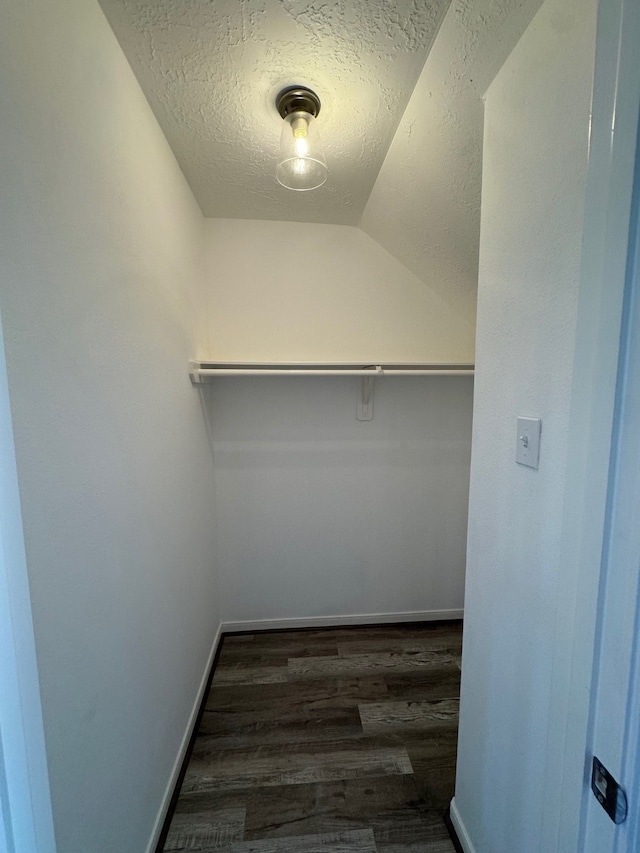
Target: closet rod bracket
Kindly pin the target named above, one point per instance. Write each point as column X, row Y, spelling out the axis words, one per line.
column 364, row 411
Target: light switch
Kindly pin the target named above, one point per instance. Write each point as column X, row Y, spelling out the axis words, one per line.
column 528, row 441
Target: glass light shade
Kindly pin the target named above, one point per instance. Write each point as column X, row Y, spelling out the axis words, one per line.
column 301, row 164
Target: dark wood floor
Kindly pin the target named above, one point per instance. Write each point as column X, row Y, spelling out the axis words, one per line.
column 340, row 740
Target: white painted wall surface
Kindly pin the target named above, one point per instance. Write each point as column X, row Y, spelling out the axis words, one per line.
column 321, row 515
column 535, row 158
column 102, row 265
column 307, row 292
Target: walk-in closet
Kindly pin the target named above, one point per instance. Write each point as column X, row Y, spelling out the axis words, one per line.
column 282, row 569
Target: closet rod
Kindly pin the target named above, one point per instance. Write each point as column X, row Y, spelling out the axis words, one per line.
column 207, row 370
column 273, row 371
column 295, row 371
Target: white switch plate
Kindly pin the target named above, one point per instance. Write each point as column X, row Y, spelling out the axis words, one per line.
column 528, row 441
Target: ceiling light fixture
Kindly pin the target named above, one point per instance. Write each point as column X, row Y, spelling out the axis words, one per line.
column 301, row 164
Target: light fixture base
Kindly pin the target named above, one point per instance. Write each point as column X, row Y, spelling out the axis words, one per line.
column 297, row 99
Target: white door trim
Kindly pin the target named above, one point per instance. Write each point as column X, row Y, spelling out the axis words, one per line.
column 26, row 822
column 616, row 688
column 616, row 100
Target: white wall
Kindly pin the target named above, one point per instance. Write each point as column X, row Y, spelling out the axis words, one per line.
column 307, row 292
column 535, row 158
column 102, row 265
column 321, row 515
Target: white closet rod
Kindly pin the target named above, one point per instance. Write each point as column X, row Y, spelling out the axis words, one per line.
column 274, row 371
column 207, row 370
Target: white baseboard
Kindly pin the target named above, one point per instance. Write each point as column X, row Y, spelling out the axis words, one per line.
column 460, row 828
column 335, row 621
column 175, row 772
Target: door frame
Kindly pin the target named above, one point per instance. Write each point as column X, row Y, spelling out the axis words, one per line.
column 26, row 820
column 621, row 588
column 612, row 149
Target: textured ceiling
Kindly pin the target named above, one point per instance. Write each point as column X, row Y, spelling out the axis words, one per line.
column 211, row 70
column 425, row 206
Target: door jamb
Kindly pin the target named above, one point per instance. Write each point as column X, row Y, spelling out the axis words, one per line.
column 612, row 148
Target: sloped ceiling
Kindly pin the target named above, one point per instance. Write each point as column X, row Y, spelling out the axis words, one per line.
column 211, row 71
column 425, row 205
column 401, row 83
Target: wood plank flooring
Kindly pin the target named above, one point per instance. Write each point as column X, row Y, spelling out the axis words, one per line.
column 325, row 741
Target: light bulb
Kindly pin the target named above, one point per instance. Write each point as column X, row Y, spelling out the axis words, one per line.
column 301, row 164
column 299, row 126
column 301, row 146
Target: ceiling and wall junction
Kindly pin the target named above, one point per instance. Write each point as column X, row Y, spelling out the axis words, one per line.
column 401, row 86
